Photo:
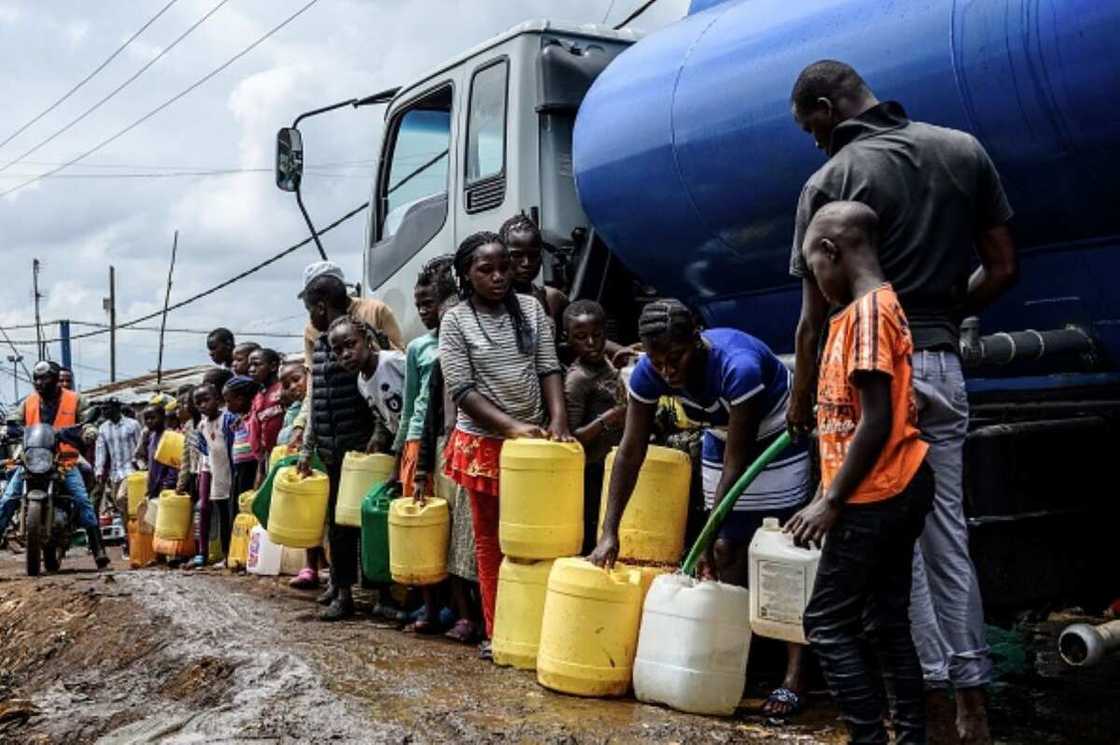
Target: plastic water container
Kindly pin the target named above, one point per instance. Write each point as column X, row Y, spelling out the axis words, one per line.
column 360, row 473
column 693, row 646
column 375, row 538
column 169, row 451
column 299, row 508
column 278, row 453
column 140, row 552
column 264, row 556
column 653, row 525
column 589, row 629
column 541, row 499
column 522, row 586
column 648, row 573
column 245, row 502
column 781, row 580
column 173, row 519
column 418, row 539
column 292, row 561
column 149, row 513
column 136, row 486
column 243, row 525
column 174, row 547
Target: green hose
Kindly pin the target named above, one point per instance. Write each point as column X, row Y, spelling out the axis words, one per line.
column 721, row 510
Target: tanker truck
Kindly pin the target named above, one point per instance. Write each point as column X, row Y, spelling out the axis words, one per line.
column 670, row 165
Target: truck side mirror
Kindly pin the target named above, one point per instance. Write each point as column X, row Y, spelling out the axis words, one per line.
column 289, row 159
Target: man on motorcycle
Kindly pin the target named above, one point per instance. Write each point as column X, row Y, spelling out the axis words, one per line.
column 61, row 408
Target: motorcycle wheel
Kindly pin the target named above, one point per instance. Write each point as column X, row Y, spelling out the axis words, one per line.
column 36, row 537
column 52, row 557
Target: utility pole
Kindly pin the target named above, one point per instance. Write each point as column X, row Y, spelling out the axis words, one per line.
column 111, row 306
column 38, row 321
column 166, row 302
column 64, row 341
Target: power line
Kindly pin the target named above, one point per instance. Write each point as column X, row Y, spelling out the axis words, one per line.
column 185, row 174
column 166, row 103
column 143, row 167
column 222, row 285
column 641, row 9
column 15, row 351
column 120, row 87
column 89, row 77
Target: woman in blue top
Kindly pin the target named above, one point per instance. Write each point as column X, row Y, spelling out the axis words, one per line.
column 738, row 390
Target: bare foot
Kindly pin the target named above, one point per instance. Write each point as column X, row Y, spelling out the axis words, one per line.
column 972, row 717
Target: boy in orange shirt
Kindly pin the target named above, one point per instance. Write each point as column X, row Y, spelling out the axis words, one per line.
column 876, row 489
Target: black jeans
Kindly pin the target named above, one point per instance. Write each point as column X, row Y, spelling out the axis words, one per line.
column 858, row 618
column 344, row 540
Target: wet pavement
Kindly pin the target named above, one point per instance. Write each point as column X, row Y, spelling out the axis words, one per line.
column 168, row 656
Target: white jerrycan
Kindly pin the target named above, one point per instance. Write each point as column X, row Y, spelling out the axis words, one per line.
column 693, row 645
column 781, row 580
column 264, row 555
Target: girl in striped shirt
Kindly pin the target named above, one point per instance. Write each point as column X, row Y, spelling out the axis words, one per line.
column 498, row 356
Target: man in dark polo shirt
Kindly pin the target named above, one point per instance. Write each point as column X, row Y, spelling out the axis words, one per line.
column 940, row 204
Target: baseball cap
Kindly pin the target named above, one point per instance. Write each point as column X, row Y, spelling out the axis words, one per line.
column 320, row 269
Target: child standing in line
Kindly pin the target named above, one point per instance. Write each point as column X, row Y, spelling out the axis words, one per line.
column 498, row 357
column 380, row 377
column 439, row 422
column 240, row 362
column 215, row 472
column 293, row 389
column 876, row 488
column 433, row 285
column 595, row 399
column 187, row 482
column 238, row 395
column 160, row 475
column 266, row 414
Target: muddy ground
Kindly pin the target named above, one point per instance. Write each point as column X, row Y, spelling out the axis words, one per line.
column 167, row 656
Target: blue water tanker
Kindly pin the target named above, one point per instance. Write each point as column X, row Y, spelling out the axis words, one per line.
column 689, row 164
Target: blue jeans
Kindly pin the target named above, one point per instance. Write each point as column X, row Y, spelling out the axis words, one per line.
column 945, row 607
column 74, row 485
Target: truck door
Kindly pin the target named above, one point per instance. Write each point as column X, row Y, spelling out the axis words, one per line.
column 485, row 176
column 411, row 199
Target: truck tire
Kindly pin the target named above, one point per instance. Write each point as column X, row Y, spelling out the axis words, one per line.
column 36, row 537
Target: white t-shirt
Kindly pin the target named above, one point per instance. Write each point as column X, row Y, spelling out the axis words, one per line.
column 384, row 391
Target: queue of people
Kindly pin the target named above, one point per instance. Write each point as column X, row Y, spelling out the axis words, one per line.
column 886, row 233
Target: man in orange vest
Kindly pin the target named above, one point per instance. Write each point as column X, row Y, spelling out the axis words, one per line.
column 53, row 404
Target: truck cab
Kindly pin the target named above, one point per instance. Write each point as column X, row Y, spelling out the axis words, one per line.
column 484, row 137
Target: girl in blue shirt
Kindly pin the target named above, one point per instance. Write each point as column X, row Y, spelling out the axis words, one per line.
column 738, row 390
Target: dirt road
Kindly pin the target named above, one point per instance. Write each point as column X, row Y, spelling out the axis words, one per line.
column 174, row 657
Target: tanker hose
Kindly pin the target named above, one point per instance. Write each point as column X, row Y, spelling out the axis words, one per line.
column 1003, row 348
column 1082, row 644
column 729, row 499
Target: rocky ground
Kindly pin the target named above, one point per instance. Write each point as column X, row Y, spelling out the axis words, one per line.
column 167, row 656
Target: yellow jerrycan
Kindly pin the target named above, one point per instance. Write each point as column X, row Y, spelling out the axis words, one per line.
column 589, row 631
column 279, row 452
column 169, row 451
column 652, row 528
column 299, row 508
column 173, row 521
column 418, row 538
column 243, row 525
column 136, row 485
column 541, row 499
column 245, row 502
column 360, row 472
column 522, row 586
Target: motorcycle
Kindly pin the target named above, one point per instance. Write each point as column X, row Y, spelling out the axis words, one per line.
column 50, row 517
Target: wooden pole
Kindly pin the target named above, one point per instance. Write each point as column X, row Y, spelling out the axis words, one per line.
column 166, row 302
column 112, row 324
column 38, row 322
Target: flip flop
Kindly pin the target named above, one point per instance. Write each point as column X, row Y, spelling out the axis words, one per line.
column 305, row 580
column 785, row 696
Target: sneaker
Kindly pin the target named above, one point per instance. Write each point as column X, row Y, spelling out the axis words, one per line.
column 196, row 563
column 327, row 596
column 340, row 608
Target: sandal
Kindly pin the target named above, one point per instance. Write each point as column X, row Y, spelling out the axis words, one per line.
column 485, row 652
column 307, row 579
column 463, row 632
column 422, row 626
column 786, row 697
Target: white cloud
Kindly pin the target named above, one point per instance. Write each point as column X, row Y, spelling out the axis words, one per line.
column 77, row 227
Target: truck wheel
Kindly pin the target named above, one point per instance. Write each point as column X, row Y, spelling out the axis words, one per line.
column 36, row 535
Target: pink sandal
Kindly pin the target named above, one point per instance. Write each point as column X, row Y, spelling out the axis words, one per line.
column 307, row 579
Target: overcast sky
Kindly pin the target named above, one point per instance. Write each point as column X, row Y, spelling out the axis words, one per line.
column 78, row 222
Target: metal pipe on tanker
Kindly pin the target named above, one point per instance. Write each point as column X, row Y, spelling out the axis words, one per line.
column 689, row 165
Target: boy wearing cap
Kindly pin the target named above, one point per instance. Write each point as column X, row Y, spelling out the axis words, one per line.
column 337, row 417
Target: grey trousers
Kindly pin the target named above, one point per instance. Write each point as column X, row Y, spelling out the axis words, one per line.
column 946, row 612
